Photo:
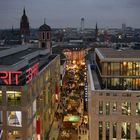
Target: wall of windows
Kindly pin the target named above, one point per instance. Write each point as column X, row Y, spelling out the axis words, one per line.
column 120, row 68
column 121, row 83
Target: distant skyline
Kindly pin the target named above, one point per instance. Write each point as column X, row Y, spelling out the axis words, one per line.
column 68, row 13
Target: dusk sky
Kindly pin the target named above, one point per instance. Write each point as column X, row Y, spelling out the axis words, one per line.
column 67, row 13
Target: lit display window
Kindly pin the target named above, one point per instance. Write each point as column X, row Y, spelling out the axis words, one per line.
column 13, row 98
column 14, row 118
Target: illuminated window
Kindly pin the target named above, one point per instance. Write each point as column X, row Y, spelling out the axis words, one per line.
column 138, row 108
column 107, row 126
column 126, row 130
column 114, row 130
column 107, row 108
column 100, row 107
column 100, row 130
column 14, row 118
column 14, row 135
column 126, row 108
column 114, row 106
column 13, row 98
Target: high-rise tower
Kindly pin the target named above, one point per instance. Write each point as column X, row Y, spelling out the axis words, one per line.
column 82, row 24
column 96, row 32
column 24, row 24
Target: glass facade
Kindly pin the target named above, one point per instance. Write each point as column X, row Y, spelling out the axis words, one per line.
column 122, row 75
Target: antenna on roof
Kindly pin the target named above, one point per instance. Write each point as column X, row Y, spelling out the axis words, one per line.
column 44, row 20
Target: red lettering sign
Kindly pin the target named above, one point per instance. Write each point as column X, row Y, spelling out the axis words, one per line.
column 31, row 72
column 6, row 77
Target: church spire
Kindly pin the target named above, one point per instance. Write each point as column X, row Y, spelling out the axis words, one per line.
column 24, row 12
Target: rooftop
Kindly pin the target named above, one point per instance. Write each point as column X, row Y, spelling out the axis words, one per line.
column 107, row 53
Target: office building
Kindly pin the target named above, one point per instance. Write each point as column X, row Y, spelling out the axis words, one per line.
column 114, row 95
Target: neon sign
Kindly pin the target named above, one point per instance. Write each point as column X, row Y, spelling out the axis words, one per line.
column 31, row 72
column 12, row 77
column 7, row 77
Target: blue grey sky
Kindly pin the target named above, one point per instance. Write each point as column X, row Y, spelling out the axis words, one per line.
column 67, row 13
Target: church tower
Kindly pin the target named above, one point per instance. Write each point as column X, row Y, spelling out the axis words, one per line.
column 24, row 25
column 45, row 37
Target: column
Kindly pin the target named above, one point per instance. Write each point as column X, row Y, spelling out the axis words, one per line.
column 118, row 131
column 133, row 131
column 104, row 131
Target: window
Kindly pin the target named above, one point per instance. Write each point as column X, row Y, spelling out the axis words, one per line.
column 138, row 108
column 137, row 131
column 114, row 130
column 126, row 130
column 100, row 107
column 1, row 120
column 13, row 98
column 126, row 108
column 100, row 130
column 107, row 108
column 107, row 127
column 114, row 107
column 0, row 97
column 14, row 118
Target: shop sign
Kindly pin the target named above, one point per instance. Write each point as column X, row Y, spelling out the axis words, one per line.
column 12, row 77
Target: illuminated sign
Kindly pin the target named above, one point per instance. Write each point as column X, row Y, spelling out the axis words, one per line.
column 86, row 97
column 12, row 77
column 31, row 72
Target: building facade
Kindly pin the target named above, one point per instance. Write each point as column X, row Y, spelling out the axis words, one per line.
column 29, row 92
column 114, row 96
